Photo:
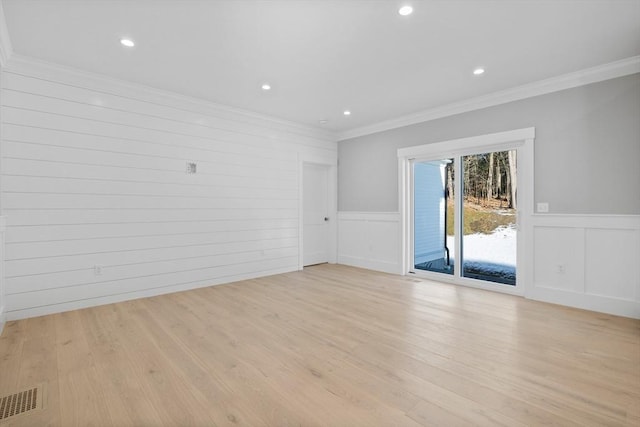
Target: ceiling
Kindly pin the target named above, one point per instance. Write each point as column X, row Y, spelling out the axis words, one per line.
column 322, row 57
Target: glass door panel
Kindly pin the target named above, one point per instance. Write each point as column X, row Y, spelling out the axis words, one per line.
column 489, row 210
column 433, row 214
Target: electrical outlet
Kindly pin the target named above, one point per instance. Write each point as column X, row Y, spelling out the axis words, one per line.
column 97, row 270
column 560, row 269
column 543, row 207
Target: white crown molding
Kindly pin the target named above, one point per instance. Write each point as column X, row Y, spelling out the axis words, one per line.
column 5, row 42
column 45, row 70
column 596, row 74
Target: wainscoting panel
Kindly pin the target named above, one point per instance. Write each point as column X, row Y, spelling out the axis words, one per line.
column 611, row 263
column 558, row 255
column 588, row 261
column 370, row 240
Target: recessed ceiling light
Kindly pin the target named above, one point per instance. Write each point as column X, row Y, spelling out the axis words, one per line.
column 405, row 10
column 127, row 42
column 347, row 113
column 266, row 86
column 478, row 71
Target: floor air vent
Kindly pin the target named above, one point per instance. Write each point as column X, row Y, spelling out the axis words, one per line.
column 20, row 403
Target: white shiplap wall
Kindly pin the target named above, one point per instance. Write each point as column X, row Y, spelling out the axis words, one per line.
column 93, row 174
column 2, row 219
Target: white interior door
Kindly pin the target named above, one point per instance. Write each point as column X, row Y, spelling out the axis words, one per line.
column 316, row 231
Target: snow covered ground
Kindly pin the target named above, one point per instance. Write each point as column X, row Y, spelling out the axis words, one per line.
column 492, row 254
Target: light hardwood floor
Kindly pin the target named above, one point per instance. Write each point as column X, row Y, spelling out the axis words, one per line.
column 330, row 346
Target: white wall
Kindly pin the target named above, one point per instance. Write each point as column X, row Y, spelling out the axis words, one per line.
column 94, row 174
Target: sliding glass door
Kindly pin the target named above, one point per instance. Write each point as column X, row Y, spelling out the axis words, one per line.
column 464, row 216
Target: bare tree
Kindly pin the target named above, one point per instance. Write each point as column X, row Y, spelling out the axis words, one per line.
column 490, row 178
column 450, row 184
column 498, row 179
column 512, row 175
column 466, row 175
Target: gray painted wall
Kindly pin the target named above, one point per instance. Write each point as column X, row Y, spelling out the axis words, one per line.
column 587, row 150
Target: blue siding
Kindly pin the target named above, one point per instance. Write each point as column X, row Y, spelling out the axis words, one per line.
column 429, row 211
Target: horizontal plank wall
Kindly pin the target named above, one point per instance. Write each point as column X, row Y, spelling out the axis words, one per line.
column 5, row 52
column 100, row 206
column 587, row 261
column 370, row 240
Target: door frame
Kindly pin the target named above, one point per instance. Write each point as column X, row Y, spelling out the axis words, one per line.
column 332, row 176
column 521, row 140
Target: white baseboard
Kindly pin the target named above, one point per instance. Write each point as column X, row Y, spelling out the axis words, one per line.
column 599, row 303
column 92, row 302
